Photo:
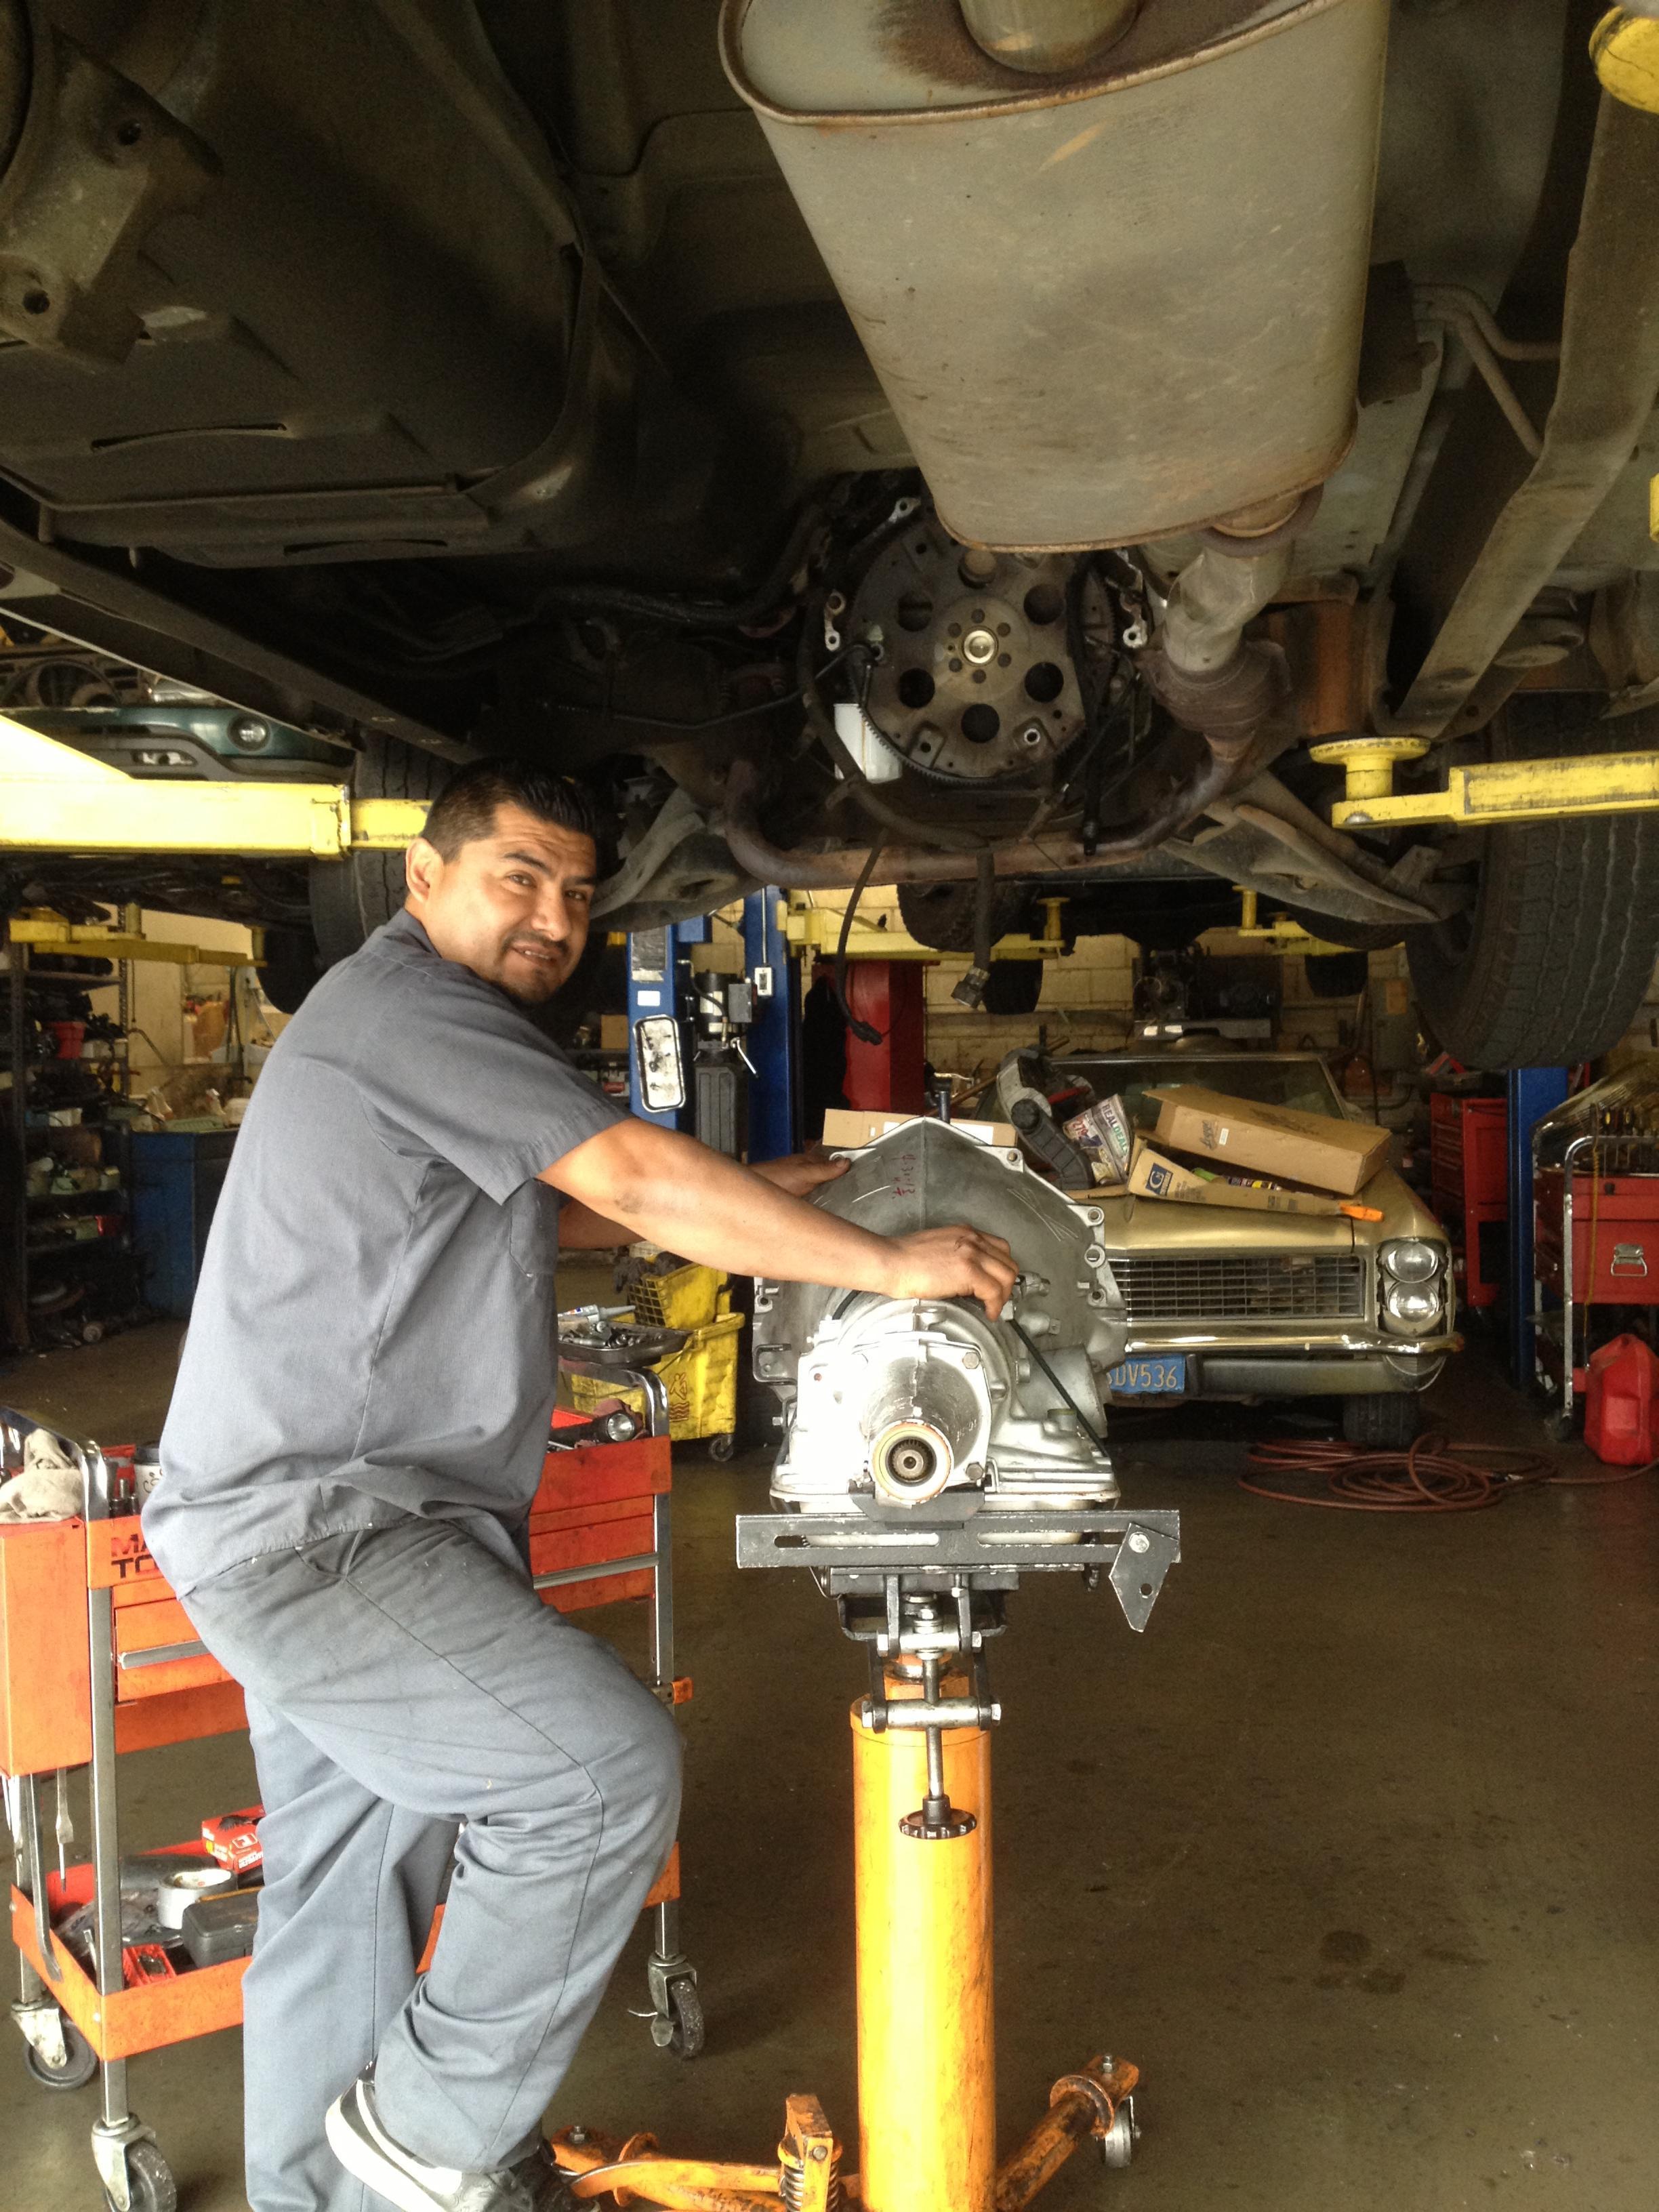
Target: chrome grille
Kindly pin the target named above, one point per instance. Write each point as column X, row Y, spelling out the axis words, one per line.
column 1242, row 1286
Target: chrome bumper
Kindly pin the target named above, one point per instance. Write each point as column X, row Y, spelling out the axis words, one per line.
column 1364, row 1374
column 1339, row 1362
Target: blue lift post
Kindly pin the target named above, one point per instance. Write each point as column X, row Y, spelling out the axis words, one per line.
column 659, row 982
column 1533, row 1092
column 774, row 1043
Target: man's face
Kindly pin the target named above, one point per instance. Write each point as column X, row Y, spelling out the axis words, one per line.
column 512, row 906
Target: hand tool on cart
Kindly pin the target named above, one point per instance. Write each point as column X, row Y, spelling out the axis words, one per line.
column 64, row 1828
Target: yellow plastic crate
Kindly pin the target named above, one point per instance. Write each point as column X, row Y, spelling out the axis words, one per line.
column 700, row 1379
column 689, row 1298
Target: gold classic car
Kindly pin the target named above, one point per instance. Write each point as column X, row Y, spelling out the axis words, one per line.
column 1225, row 1303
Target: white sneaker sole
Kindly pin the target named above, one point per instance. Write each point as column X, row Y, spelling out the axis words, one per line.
column 368, row 2156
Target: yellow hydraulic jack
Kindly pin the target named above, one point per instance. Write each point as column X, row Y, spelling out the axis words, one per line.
column 921, row 1805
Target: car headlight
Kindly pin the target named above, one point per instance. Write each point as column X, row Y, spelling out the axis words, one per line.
column 1410, row 1260
column 1413, row 1307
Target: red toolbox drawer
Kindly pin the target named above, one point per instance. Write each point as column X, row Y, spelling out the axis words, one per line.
column 1468, row 1145
column 1615, row 1237
column 157, row 1650
column 594, row 1503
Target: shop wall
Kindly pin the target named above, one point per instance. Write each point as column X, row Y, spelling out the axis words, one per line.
column 1087, row 999
column 161, row 1033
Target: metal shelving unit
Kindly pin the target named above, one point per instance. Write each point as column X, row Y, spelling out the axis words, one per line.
column 33, row 1257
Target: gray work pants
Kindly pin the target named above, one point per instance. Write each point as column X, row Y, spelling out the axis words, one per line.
column 411, row 1702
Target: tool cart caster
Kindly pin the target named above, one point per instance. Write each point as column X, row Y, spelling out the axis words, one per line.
column 675, row 2014
column 56, row 2053
column 135, row 2175
column 677, row 2026
column 1117, row 2145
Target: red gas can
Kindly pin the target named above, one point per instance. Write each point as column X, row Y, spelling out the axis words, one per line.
column 1621, row 1413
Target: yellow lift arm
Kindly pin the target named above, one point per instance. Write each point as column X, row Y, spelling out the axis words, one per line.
column 47, row 933
column 817, row 929
column 54, row 799
column 1513, row 790
column 1626, row 51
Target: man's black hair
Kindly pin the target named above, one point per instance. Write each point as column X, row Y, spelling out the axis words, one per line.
column 467, row 806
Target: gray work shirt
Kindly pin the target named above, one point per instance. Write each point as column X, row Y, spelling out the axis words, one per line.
column 374, row 1330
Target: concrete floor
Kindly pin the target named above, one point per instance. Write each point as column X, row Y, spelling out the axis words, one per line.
column 1354, row 1850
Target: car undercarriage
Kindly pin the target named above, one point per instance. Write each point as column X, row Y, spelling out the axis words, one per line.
column 1006, row 449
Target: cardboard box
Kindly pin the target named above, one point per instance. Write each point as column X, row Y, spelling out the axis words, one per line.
column 1153, row 1176
column 613, row 1032
column 1272, row 1141
column 845, row 1127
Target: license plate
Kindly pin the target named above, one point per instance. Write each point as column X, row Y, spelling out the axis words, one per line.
column 1147, row 1378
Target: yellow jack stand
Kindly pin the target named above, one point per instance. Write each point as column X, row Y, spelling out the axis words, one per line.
column 926, row 2062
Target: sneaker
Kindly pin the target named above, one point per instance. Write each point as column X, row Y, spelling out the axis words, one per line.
column 372, row 2156
column 547, row 2187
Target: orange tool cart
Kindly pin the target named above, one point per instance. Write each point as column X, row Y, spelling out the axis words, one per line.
column 98, row 1657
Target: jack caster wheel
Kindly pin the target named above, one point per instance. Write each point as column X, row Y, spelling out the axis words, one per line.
column 80, row 2062
column 1559, row 1427
column 722, row 1447
column 1117, row 2145
column 150, row 2185
column 681, row 2031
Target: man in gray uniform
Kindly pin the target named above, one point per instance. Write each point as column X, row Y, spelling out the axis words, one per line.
column 357, row 1431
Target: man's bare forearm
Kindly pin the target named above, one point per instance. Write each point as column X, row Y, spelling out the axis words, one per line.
column 581, row 1230
column 698, row 1203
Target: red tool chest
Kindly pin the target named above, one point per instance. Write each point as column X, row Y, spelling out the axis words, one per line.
column 1615, row 1237
column 1468, row 1160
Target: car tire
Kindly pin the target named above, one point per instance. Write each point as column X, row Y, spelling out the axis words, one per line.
column 1013, row 987
column 350, row 898
column 1336, row 974
column 942, row 914
column 1382, row 1420
column 291, row 965
column 1356, row 936
column 1550, row 965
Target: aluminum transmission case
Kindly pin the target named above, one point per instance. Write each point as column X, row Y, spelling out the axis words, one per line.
column 897, row 1404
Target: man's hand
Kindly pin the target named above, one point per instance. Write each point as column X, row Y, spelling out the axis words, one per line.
column 800, row 1174
column 953, row 1263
